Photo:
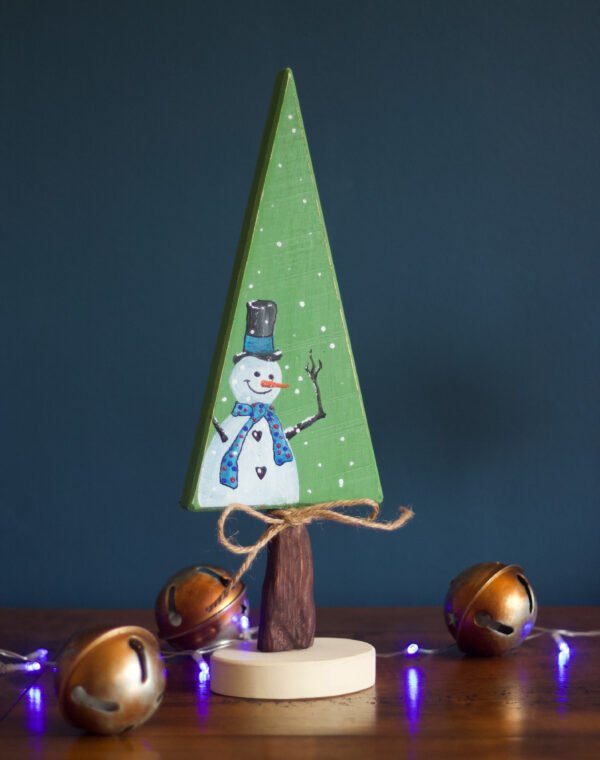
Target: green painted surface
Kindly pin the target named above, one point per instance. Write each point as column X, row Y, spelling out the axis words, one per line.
column 284, row 257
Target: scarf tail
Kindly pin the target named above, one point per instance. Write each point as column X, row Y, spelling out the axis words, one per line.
column 228, row 473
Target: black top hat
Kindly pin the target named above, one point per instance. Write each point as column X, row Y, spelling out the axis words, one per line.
column 260, row 324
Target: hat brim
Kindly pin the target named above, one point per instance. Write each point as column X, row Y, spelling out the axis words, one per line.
column 272, row 356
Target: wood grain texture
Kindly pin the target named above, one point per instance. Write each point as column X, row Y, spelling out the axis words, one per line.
column 288, row 617
column 448, row 706
column 284, row 259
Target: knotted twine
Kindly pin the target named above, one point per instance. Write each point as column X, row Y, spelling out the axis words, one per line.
column 281, row 519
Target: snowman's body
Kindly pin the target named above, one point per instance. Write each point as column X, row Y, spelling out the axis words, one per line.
column 260, row 480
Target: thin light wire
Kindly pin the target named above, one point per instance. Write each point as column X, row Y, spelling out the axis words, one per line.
column 169, row 655
column 563, row 632
column 555, row 633
column 221, row 644
column 420, row 650
column 14, row 655
column 25, row 661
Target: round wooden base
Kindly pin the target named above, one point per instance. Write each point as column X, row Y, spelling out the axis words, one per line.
column 329, row 668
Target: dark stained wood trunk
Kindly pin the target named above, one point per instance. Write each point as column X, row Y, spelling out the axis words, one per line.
column 287, row 611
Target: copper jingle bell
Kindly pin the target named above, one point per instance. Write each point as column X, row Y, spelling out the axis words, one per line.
column 182, row 604
column 490, row 608
column 110, row 680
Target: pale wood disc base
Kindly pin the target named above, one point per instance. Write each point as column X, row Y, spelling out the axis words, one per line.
column 329, row 668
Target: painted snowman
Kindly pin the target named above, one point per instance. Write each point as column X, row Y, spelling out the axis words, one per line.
column 249, row 458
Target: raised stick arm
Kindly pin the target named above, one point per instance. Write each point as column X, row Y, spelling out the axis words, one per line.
column 220, row 431
column 313, row 371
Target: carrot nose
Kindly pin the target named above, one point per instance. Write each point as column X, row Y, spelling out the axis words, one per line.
column 272, row 384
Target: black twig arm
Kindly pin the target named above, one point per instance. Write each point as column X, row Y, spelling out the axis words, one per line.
column 312, row 370
column 220, row 431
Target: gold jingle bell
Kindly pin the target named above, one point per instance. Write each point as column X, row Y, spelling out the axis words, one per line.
column 182, row 604
column 490, row 608
column 110, row 680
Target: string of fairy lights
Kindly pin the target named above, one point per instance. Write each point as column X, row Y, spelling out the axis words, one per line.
column 490, row 609
column 38, row 660
column 557, row 634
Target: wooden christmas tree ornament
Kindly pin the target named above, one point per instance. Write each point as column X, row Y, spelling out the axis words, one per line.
column 283, row 427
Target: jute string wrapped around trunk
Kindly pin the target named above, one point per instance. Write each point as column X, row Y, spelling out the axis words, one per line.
column 281, row 519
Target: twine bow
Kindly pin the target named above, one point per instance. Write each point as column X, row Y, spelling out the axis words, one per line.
column 281, row 519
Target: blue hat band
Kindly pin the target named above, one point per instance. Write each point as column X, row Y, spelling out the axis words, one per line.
column 254, row 345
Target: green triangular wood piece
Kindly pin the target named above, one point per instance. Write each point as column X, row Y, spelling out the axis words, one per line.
column 258, row 443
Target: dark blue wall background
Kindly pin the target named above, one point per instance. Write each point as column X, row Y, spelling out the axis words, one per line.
column 457, row 153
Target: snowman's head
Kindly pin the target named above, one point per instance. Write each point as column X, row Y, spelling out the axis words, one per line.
column 255, row 380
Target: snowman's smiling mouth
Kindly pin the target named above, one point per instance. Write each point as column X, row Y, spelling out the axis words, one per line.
column 261, row 393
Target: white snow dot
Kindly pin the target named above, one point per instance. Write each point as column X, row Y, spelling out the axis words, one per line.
column 224, row 399
column 242, row 367
column 287, row 366
column 290, row 116
column 309, row 490
column 341, row 482
column 280, row 166
column 301, row 304
column 323, row 328
column 297, row 391
column 306, row 443
column 251, row 286
column 294, row 130
column 300, row 378
column 213, row 452
column 342, row 438
column 251, row 332
column 351, row 463
column 261, row 229
column 304, row 200
column 319, row 464
column 234, row 381
column 258, row 271
column 319, row 274
column 267, row 322
column 279, row 243
column 332, row 345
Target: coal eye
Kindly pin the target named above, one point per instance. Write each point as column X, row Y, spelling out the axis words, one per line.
column 257, row 374
column 271, row 377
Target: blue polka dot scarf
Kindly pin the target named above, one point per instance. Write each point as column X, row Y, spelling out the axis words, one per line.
column 281, row 451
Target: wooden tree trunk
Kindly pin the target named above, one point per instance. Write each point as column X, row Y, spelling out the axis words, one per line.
column 287, row 612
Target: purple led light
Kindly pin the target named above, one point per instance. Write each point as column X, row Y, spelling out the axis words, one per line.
column 203, row 672
column 412, row 682
column 563, row 661
column 562, row 673
column 34, row 696
column 412, row 649
column 244, row 622
column 412, row 696
column 31, row 666
column 36, row 713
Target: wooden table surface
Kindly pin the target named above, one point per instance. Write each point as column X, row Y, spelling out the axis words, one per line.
column 524, row 705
